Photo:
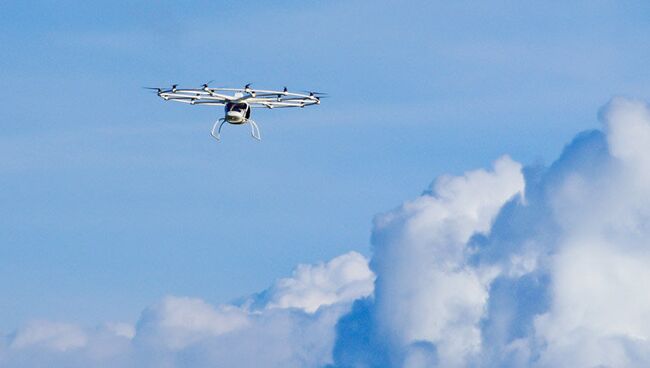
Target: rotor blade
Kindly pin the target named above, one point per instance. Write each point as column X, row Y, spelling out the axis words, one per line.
column 313, row 93
column 158, row 90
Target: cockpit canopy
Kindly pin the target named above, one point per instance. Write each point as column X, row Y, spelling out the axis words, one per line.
column 240, row 107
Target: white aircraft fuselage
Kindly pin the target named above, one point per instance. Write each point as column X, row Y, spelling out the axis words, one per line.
column 237, row 112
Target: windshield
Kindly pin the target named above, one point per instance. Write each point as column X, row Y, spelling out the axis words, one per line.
column 241, row 107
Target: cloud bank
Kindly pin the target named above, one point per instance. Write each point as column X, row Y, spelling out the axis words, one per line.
column 507, row 267
column 291, row 324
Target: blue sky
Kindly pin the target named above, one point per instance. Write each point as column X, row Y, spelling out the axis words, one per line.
column 112, row 198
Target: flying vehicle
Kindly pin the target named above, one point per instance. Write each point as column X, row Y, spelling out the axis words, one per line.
column 238, row 102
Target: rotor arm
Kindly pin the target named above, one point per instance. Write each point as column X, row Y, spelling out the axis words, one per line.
column 209, row 103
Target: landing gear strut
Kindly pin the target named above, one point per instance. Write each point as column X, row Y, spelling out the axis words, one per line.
column 216, row 129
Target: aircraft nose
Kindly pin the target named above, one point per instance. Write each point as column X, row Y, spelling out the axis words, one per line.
column 234, row 117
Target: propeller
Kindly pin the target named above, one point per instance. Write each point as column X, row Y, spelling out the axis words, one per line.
column 154, row 89
column 317, row 99
column 247, row 88
column 315, row 94
column 205, row 85
column 284, row 93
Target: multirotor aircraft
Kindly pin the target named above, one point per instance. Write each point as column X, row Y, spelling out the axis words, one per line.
column 239, row 105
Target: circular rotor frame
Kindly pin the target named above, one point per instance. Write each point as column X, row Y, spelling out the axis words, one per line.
column 254, row 97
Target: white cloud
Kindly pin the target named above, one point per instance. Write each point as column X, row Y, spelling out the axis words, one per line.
column 600, row 306
column 508, row 267
column 120, row 329
column 628, row 132
column 556, row 279
column 291, row 324
column 425, row 289
column 600, row 311
column 49, row 335
column 274, row 338
column 342, row 279
column 177, row 322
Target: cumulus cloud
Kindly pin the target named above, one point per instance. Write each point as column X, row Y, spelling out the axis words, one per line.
column 342, row 279
column 56, row 344
column 600, row 310
column 425, row 290
column 507, row 267
column 491, row 272
column 428, row 298
column 178, row 322
column 291, row 324
column 49, row 335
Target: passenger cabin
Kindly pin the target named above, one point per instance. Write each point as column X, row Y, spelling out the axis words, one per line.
column 240, row 107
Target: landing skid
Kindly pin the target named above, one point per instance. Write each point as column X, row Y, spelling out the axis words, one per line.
column 216, row 129
column 255, row 130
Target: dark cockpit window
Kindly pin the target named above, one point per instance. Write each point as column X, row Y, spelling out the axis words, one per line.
column 237, row 107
